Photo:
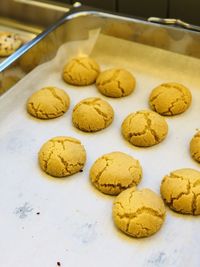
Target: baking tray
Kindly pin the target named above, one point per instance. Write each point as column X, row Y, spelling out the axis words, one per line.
column 47, row 221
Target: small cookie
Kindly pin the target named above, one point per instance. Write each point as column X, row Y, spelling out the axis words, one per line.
column 139, row 213
column 115, row 83
column 144, row 128
column 195, row 147
column 62, row 156
column 48, row 103
column 170, row 99
column 114, row 172
column 9, row 42
column 92, row 114
column 181, row 191
column 81, row 71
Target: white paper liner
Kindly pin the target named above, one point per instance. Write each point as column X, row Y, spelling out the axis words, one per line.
column 75, row 224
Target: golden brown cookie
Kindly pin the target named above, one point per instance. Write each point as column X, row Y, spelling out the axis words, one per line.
column 92, row 114
column 195, row 147
column 62, row 156
column 115, row 172
column 9, row 43
column 181, row 191
column 139, row 213
column 115, row 83
column 48, row 103
column 81, row 71
column 144, row 128
column 170, row 99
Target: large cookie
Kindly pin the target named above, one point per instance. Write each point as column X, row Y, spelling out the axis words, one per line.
column 144, row 128
column 170, row 99
column 92, row 114
column 48, row 103
column 114, row 172
column 181, row 191
column 62, row 156
column 81, row 71
column 115, row 82
column 139, row 213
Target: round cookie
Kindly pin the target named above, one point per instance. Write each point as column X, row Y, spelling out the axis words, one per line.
column 114, row 172
column 48, row 103
column 92, row 114
column 144, row 128
column 115, row 83
column 139, row 213
column 62, row 156
column 195, row 147
column 170, row 99
column 9, row 42
column 181, row 191
column 81, row 71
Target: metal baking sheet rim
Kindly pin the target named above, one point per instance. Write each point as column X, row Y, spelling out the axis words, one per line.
column 72, row 14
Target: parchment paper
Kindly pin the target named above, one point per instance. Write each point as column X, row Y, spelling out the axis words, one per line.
column 46, row 220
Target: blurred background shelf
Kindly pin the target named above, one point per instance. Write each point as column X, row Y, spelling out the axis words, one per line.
column 181, row 9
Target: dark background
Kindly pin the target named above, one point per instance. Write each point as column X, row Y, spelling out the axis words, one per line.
column 187, row 10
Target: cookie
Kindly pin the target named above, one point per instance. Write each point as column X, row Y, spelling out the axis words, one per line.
column 144, row 128
column 92, row 114
column 81, row 71
column 115, row 83
column 9, row 43
column 181, row 191
column 114, row 172
column 195, row 147
column 139, row 213
column 170, row 99
column 48, row 103
column 62, row 156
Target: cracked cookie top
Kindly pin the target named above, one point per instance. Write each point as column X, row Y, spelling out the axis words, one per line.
column 139, row 213
column 114, row 172
column 9, row 42
column 92, row 114
column 181, row 191
column 62, row 156
column 144, row 128
column 48, row 103
column 170, row 99
column 115, row 83
column 81, row 71
column 195, row 147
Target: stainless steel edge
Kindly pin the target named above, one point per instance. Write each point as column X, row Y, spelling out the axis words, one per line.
column 76, row 24
column 72, row 14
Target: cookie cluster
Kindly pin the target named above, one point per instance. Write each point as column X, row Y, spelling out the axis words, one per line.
column 139, row 213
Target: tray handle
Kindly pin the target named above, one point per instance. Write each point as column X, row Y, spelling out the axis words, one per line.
column 176, row 22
